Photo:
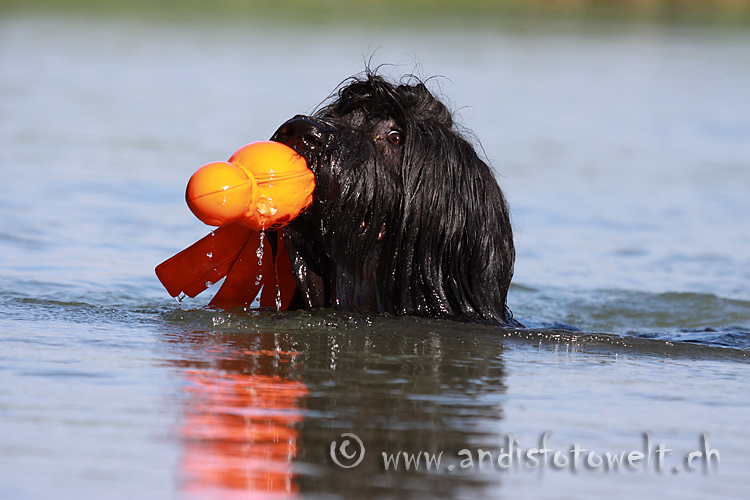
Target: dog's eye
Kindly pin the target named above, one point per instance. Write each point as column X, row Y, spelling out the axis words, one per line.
column 394, row 137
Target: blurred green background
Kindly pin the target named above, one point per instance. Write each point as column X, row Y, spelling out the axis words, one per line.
column 477, row 12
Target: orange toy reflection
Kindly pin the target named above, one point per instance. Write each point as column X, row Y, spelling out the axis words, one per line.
column 240, row 433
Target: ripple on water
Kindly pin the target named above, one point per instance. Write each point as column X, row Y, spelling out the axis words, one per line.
column 676, row 317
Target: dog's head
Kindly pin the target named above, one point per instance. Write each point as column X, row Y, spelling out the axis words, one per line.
column 406, row 218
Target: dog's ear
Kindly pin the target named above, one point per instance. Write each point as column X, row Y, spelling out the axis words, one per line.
column 452, row 248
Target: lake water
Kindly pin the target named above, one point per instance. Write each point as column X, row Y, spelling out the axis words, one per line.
column 624, row 151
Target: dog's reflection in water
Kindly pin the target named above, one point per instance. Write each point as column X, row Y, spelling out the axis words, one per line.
column 240, row 428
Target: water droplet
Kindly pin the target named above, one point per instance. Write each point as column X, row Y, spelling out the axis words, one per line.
column 180, row 297
column 209, row 284
column 209, row 255
column 218, row 320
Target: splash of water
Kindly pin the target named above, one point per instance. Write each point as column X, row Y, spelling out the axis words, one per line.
column 259, row 254
column 259, row 251
column 259, row 277
column 278, row 291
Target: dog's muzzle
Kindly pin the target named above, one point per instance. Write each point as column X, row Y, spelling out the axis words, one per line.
column 304, row 135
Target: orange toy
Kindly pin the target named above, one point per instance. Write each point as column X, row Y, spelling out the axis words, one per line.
column 262, row 187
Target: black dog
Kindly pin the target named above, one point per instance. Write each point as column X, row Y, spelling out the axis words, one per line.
column 406, row 218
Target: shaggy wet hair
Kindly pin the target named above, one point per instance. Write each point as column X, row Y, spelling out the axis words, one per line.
column 406, row 217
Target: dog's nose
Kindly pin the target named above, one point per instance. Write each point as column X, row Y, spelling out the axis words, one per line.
column 303, row 134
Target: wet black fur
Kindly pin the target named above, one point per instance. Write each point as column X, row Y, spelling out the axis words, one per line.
column 419, row 227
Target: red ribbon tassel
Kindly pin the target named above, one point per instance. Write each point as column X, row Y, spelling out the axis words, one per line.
column 231, row 251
